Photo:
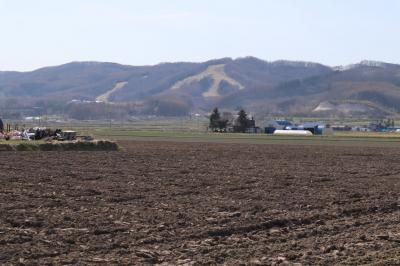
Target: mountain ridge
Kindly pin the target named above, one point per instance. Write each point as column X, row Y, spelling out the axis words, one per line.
column 281, row 86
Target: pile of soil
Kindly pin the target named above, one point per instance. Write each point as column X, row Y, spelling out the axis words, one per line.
column 97, row 145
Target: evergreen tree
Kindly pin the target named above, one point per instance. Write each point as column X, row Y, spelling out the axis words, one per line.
column 214, row 119
column 242, row 122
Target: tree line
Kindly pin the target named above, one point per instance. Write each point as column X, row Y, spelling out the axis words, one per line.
column 239, row 125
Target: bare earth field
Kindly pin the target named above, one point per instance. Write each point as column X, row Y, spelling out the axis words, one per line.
column 201, row 203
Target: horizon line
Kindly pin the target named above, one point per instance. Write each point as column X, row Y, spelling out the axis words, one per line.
column 199, row 62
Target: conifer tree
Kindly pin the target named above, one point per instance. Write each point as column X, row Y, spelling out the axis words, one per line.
column 214, row 119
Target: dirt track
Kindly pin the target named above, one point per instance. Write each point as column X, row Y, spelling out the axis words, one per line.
column 177, row 203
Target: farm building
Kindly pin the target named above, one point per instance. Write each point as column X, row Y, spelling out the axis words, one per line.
column 316, row 128
column 341, row 128
column 254, row 130
column 277, row 125
column 280, row 126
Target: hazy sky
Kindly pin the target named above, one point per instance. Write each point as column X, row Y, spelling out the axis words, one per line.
column 36, row 33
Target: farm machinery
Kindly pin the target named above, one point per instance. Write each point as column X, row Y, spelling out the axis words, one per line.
column 9, row 132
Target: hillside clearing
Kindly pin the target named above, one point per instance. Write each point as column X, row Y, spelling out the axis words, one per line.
column 105, row 97
column 217, row 73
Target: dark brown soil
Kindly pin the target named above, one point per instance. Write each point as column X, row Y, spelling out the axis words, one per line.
column 197, row 203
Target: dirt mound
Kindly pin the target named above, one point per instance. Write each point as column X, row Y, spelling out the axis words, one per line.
column 98, row 145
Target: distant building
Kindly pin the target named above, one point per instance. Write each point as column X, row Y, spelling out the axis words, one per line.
column 341, row 128
column 277, row 125
column 283, row 124
column 252, row 123
column 228, row 116
column 254, row 130
column 317, row 128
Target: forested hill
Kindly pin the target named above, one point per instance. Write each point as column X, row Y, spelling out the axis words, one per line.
column 279, row 87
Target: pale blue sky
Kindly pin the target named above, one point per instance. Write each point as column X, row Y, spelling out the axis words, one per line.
column 36, row 33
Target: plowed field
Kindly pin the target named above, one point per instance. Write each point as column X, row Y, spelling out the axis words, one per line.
column 201, row 203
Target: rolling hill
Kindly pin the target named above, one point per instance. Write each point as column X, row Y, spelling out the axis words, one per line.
column 281, row 87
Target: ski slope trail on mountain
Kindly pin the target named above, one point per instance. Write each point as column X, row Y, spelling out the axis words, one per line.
column 106, row 96
column 217, row 73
